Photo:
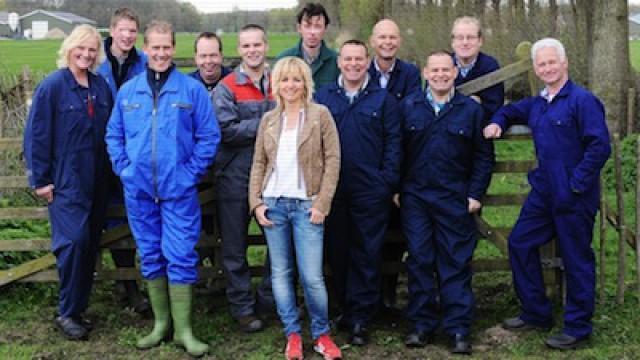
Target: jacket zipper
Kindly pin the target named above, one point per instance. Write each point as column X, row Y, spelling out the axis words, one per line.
column 154, row 167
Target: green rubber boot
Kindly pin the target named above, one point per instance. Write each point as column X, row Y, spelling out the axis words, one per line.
column 159, row 297
column 181, row 300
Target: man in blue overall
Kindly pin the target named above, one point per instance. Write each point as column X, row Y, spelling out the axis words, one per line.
column 161, row 138
column 122, row 62
column 466, row 41
column 446, row 171
column 400, row 79
column 572, row 144
column 369, row 128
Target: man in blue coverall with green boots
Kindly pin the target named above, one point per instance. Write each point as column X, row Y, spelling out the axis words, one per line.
column 161, row 138
column 446, row 171
column 572, row 145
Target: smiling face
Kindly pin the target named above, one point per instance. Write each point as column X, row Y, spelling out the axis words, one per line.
column 292, row 87
column 83, row 56
column 386, row 39
column 353, row 63
column 124, row 34
column 311, row 30
column 552, row 70
column 252, row 48
column 208, row 58
column 466, row 41
column 160, row 50
column 440, row 73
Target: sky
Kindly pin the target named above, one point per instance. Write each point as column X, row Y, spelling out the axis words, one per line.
column 208, row 6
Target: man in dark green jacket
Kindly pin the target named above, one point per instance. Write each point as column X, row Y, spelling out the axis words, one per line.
column 313, row 21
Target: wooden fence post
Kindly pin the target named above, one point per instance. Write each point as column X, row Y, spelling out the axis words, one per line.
column 621, row 221
column 631, row 110
column 638, row 215
column 28, row 86
column 603, row 238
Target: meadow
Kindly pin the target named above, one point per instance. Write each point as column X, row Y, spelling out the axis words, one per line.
column 41, row 55
column 26, row 310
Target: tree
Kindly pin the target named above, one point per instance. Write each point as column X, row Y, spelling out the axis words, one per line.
column 609, row 70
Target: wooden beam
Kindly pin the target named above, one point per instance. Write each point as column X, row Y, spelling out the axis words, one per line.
column 497, row 238
column 23, row 270
column 25, row 245
column 612, row 217
column 504, row 199
column 7, row 144
column 24, row 213
column 495, row 77
column 513, row 166
column 14, row 182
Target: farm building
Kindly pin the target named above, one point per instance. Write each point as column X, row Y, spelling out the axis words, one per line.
column 40, row 22
column 5, row 31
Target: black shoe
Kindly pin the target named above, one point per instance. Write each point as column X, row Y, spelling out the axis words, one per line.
column 250, row 323
column 517, row 324
column 417, row 339
column 359, row 336
column 71, row 329
column 86, row 323
column 460, row 344
column 564, row 342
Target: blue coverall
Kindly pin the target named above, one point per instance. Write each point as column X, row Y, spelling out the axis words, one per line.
column 405, row 79
column 370, row 141
column 493, row 97
column 447, row 160
column 64, row 146
column 160, row 147
column 572, row 144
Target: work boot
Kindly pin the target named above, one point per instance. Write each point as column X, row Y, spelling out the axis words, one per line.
column 159, row 296
column 181, row 300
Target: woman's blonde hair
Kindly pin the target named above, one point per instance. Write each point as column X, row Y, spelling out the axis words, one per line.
column 285, row 67
column 80, row 34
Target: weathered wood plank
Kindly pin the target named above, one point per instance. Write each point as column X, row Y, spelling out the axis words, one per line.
column 25, row 245
column 497, row 238
column 23, row 270
column 496, row 77
column 504, row 199
column 7, row 144
column 513, row 166
column 14, row 182
column 24, row 213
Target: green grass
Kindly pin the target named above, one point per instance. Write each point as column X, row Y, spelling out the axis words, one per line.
column 41, row 55
column 634, row 53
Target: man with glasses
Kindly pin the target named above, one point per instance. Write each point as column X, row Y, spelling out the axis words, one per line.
column 466, row 41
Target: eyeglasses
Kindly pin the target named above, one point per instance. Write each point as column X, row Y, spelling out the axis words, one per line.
column 463, row 37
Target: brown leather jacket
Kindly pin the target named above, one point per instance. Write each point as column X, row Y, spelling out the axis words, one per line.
column 318, row 156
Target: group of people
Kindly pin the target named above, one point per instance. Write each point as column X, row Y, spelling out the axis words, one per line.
column 327, row 150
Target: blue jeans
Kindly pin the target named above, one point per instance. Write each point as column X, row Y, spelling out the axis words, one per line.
column 290, row 219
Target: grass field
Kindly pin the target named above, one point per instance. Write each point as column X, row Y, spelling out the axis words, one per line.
column 41, row 55
column 26, row 310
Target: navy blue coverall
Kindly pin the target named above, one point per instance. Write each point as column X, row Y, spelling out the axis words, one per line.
column 405, row 79
column 370, row 141
column 447, row 160
column 64, row 146
column 493, row 97
column 572, row 144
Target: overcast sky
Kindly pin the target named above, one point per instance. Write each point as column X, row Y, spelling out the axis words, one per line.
column 208, row 6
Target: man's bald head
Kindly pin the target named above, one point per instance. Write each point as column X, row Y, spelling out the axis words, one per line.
column 385, row 39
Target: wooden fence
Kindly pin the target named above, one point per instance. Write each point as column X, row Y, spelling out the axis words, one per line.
column 39, row 270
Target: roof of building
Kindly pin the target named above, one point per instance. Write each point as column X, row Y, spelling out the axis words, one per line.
column 63, row 16
column 635, row 18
